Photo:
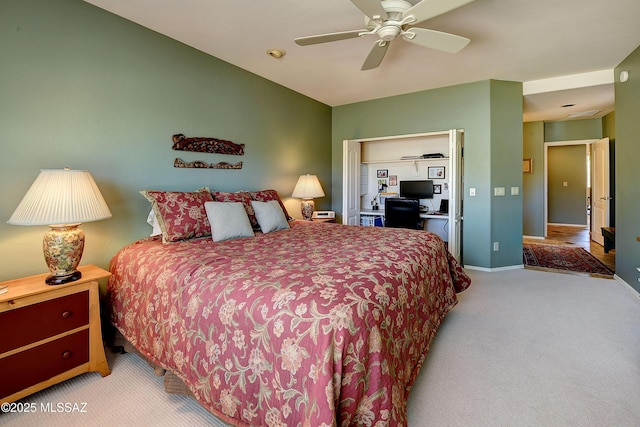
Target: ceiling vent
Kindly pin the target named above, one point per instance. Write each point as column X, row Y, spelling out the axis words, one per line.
column 583, row 114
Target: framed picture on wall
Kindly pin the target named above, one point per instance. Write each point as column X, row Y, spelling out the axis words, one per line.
column 437, row 189
column 383, row 173
column 435, row 172
column 393, row 180
column 527, row 166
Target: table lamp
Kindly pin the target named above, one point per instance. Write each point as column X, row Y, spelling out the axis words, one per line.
column 306, row 189
column 62, row 199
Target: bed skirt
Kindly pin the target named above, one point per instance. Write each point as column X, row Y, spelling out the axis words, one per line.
column 172, row 383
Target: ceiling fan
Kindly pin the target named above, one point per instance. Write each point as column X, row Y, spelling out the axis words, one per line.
column 389, row 19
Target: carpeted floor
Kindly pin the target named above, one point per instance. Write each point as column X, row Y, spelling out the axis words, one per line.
column 563, row 257
column 522, row 348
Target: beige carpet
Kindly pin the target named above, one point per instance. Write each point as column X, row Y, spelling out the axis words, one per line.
column 131, row 396
column 523, row 348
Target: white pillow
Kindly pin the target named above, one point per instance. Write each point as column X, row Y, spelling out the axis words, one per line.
column 228, row 220
column 270, row 216
column 153, row 222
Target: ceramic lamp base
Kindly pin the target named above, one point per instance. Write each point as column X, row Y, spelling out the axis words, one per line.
column 63, row 246
column 307, row 207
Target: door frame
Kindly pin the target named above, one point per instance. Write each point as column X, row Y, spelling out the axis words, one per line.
column 352, row 152
column 602, row 219
column 587, row 143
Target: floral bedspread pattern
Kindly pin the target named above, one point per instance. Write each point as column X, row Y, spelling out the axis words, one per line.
column 318, row 325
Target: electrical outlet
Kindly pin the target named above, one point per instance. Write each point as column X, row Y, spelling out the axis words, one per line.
column 496, row 246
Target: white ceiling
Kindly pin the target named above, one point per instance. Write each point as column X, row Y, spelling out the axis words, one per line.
column 535, row 42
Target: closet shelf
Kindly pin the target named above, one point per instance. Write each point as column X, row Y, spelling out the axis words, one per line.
column 373, row 162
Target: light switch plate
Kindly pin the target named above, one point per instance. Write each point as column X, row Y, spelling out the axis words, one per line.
column 498, row 191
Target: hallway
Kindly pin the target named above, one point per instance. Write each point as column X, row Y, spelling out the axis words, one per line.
column 579, row 235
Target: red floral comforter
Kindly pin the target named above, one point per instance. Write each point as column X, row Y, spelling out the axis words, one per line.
column 318, row 325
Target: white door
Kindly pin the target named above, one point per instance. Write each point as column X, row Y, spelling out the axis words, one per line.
column 600, row 197
column 455, row 193
column 351, row 182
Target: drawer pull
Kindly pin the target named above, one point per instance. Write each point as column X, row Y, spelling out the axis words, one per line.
column 66, row 314
column 66, row 355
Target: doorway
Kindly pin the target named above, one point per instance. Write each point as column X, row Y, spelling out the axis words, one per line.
column 576, row 194
column 579, row 236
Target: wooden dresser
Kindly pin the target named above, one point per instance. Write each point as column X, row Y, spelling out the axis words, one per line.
column 49, row 333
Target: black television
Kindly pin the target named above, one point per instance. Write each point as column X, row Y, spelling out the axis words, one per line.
column 416, row 189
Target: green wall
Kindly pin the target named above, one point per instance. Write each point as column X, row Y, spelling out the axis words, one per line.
column 627, row 175
column 567, row 204
column 535, row 136
column 506, row 171
column 573, row 130
column 490, row 113
column 533, row 183
column 83, row 88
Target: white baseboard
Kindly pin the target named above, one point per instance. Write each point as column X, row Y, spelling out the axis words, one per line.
column 567, row 225
column 534, row 237
column 627, row 286
column 493, row 270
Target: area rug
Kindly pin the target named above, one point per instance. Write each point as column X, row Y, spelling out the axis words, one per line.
column 563, row 257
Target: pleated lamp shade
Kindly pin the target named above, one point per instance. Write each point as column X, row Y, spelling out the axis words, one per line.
column 61, row 196
column 306, row 189
column 62, row 199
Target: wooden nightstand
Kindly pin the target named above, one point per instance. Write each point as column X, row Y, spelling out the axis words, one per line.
column 49, row 334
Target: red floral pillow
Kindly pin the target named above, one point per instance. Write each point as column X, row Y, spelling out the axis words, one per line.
column 268, row 195
column 181, row 215
column 240, row 197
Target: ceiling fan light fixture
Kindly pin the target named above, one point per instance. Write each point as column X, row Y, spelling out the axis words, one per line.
column 388, row 33
column 387, row 19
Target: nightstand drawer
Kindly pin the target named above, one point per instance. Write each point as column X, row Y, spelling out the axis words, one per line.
column 30, row 324
column 45, row 361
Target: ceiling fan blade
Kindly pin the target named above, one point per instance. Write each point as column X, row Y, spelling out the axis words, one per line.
column 375, row 56
column 371, row 8
column 435, row 39
column 428, row 9
column 330, row 37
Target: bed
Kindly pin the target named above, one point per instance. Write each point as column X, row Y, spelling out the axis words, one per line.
column 313, row 325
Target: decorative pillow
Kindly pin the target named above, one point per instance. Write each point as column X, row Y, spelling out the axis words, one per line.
column 180, row 214
column 228, row 220
column 268, row 195
column 270, row 216
column 153, row 222
column 241, row 197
